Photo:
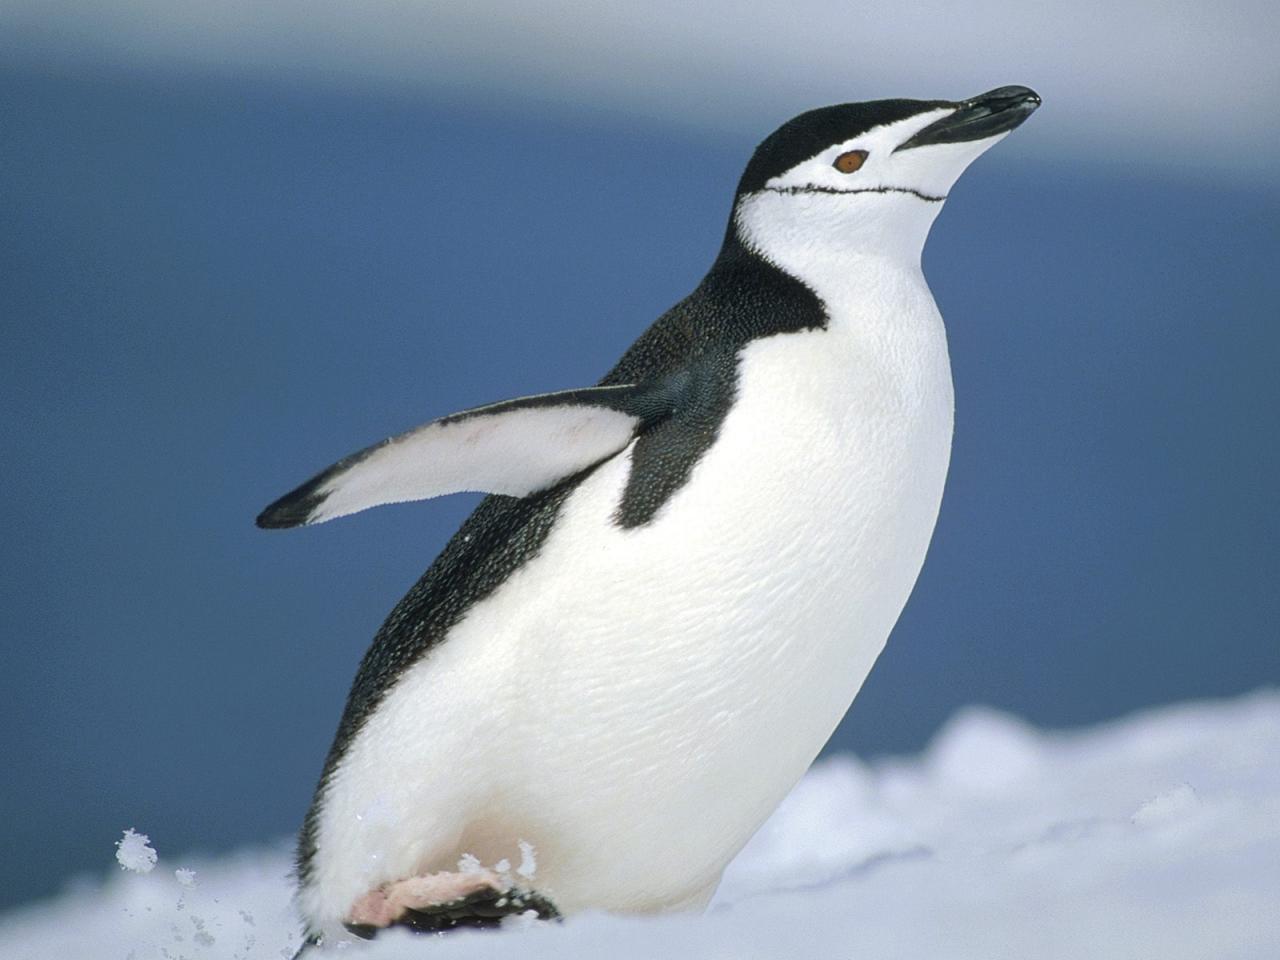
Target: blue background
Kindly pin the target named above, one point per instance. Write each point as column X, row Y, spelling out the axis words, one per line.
column 209, row 289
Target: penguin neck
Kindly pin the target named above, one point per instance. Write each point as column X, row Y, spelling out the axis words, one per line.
column 859, row 255
column 860, row 232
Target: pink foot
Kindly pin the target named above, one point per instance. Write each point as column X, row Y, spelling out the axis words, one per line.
column 388, row 903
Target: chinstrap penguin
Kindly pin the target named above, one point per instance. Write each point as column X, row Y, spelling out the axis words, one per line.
column 631, row 651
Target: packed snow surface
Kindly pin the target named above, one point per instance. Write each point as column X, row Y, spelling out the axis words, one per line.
column 1156, row 836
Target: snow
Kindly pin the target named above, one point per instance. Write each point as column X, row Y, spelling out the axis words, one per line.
column 133, row 852
column 528, row 860
column 1155, row 836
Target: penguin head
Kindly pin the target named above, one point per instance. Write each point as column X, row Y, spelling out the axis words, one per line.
column 867, row 177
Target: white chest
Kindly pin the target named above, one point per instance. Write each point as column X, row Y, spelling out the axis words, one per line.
column 774, row 576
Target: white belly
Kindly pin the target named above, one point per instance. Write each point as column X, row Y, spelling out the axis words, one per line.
column 636, row 702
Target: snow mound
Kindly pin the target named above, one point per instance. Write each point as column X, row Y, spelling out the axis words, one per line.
column 1156, row 836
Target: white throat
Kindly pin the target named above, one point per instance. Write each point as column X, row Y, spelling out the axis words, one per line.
column 860, row 255
column 798, row 231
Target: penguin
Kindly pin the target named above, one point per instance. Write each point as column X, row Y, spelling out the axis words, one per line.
column 639, row 641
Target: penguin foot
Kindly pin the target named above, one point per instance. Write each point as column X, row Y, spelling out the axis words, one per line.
column 445, row 901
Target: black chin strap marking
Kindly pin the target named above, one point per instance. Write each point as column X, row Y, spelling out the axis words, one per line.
column 791, row 191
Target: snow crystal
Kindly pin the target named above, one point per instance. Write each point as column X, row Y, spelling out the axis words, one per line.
column 185, row 877
column 528, row 862
column 502, row 866
column 469, row 863
column 134, row 853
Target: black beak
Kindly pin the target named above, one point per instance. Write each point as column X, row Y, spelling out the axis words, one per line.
column 988, row 114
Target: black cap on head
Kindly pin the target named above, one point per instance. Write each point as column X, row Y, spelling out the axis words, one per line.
column 810, row 133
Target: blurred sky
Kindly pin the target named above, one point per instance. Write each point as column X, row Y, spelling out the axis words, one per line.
column 240, row 240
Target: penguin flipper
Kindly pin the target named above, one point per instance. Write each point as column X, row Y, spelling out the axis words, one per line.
column 514, row 447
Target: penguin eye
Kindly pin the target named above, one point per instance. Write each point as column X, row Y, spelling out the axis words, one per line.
column 851, row 161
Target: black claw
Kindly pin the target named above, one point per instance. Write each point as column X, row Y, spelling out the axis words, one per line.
column 483, row 909
column 364, row 931
column 489, row 910
column 433, row 921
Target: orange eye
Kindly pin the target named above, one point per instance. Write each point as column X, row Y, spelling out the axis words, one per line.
column 851, row 161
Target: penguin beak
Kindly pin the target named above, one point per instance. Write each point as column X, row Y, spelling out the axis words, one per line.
column 986, row 115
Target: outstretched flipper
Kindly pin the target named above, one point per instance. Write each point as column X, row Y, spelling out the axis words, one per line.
column 516, row 447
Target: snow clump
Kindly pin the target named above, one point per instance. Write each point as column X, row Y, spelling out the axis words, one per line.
column 134, row 852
